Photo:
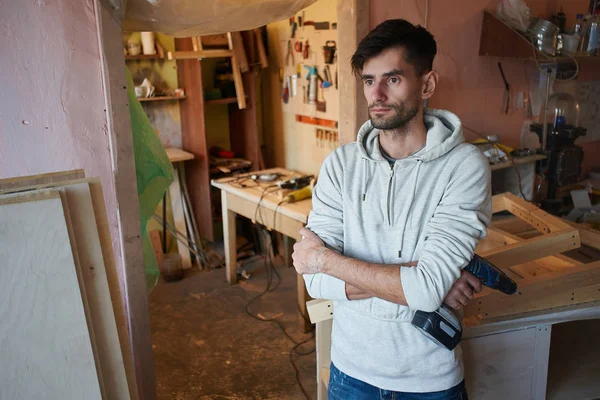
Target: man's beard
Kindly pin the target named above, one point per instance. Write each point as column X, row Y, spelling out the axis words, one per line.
column 403, row 114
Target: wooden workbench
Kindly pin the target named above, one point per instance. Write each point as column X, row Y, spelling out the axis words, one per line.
column 286, row 219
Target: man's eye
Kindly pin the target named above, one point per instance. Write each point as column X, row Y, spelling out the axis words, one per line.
column 369, row 82
column 394, row 80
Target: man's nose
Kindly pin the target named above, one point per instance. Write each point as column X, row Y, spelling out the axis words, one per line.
column 378, row 95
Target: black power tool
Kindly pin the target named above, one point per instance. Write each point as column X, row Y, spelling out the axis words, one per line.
column 442, row 326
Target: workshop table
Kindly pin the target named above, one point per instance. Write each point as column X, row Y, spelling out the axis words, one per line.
column 286, row 219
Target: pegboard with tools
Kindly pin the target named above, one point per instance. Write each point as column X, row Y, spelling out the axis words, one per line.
column 308, row 72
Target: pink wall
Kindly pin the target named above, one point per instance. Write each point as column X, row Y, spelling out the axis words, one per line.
column 470, row 85
column 52, row 114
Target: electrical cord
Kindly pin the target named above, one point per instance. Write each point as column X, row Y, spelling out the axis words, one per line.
column 271, row 272
column 276, row 210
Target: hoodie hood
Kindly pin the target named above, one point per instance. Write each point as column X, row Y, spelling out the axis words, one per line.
column 444, row 132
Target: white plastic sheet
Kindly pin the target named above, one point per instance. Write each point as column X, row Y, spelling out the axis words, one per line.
column 184, row 18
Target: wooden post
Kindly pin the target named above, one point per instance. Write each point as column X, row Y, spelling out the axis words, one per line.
column 189, row 75
column 129, row 243
column 353, row 25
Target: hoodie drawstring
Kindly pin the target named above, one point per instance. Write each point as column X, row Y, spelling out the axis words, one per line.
column 366, row 178
column 414, row 196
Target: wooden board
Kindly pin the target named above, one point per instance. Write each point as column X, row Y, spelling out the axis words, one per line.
column 177, row 155
column 13, row 184
column 99, row 310
column 113, row 283
column 179, row 219
column 45, row 347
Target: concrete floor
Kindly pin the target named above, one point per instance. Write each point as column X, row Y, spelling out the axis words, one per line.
column 207, row 347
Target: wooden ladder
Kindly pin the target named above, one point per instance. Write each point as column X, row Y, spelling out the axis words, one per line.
column 234, row 50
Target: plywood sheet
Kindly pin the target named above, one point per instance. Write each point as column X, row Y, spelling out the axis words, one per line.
column 45, row 347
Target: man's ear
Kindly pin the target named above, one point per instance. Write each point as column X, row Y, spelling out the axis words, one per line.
column 430, row 81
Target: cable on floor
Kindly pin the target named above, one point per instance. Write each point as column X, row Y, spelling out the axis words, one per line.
column 271, row 272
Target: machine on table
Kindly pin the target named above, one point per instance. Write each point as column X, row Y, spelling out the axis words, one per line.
column 565, row 158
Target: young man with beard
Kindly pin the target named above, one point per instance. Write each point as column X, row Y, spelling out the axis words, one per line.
column 396, row 217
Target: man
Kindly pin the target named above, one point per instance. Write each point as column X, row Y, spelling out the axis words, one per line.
column 400, row 212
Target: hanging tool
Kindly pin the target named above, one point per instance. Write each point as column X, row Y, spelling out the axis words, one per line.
column 298, row 46
column 306, row 50
column 327, row 73
column 336, row 77
column 322, row 105
column 506, row 85
column 286, row 92
column 324, row 83
column 298, row 70
column 312, row 85
column 442, row 326
column 290, row 54
column 294, row 26
column 329, row 51
column 317, row 25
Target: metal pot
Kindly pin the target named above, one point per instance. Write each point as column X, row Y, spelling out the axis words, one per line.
column 544, row 34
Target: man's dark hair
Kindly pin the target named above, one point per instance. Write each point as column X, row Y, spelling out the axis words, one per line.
column 418, row 43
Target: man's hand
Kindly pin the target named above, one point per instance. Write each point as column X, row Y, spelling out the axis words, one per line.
column 307, row 253
column 462, row 290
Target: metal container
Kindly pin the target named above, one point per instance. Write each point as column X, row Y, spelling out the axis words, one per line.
column 570, row 43
column 544, row 34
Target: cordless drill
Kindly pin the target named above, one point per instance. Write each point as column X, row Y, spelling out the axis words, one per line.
column 442, row 326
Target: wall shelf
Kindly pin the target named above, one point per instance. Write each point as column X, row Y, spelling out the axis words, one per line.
column 160, row 98
column 226, row 100
column 500, row 40
column 143, row 57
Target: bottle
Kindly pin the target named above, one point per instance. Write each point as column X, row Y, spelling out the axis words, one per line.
column 561, row 18
column 578, row 30
column 592, row 46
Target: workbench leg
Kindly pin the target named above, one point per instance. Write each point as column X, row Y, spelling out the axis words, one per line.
column 229, row 239
column 179, row 220
column 288, row 249
column 303, row 297
column 323, row 349
column 540, row 362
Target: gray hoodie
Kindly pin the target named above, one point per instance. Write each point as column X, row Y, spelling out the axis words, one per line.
column 432, row 207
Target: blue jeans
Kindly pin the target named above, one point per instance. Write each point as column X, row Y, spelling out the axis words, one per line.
column 345, row 387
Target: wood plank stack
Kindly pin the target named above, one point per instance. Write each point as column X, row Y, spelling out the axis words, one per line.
column 63, row 333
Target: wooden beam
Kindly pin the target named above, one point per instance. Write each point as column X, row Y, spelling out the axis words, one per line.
column 197, row 55
column 189, row 75
column 498, row 203
column 128, row 245
column 243, row 123
column 353, row 25
column 589, row 236
column 532, row 249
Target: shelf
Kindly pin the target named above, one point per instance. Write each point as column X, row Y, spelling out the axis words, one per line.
column 517, row 161
column 160, row 98
column 500, row 40
column 143, row 57
column 226, row 100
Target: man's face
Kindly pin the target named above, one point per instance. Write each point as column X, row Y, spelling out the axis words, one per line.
column 392, row 89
